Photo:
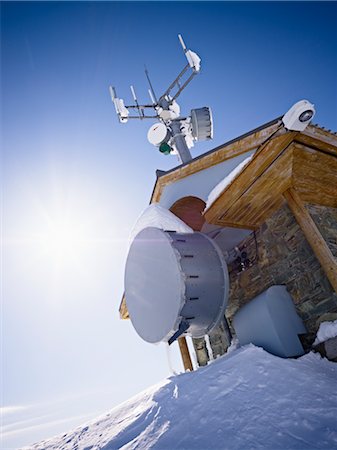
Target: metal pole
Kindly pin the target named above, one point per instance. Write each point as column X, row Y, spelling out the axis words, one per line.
column 180, row 143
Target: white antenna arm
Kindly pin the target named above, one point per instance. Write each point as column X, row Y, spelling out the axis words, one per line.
column 112, row 93
column 151, row 97
column 182, row 42
column 133, row 94
column 139, row 108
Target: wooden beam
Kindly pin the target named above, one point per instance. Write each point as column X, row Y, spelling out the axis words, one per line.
column 123, row 310
column 313, row 236
column 185, row 354
column 264, row 159
column 318, row 138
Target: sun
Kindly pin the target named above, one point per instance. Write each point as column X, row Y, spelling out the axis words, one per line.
column 64, row 240
column 61, row 230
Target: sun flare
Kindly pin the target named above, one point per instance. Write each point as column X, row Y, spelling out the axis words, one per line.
column 64, row 240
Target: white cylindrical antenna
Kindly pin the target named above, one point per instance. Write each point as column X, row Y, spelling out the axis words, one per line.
column 140, row 110
column 182, row 42
column 112, row 93
column 151, row 97
column 133, row 94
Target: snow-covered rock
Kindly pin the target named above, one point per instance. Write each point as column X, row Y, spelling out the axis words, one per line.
column 220, row 187
column 245, row 400
column 327, row 330
column 159, row 217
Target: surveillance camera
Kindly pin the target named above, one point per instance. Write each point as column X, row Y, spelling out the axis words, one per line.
column 299, row 116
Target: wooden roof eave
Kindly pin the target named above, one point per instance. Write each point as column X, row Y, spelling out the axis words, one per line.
column 282, row 164
column 243, row 144
column 319, row 138
column 263, row 159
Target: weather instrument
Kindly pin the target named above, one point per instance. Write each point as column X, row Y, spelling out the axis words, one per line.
column 172, row 133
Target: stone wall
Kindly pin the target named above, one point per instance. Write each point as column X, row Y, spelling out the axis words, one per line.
column 278, row 253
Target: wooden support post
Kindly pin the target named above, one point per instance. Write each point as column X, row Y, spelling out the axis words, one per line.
column 313, row 236
column 185, row 354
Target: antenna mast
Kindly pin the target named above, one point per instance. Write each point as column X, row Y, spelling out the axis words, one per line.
column 172, row 134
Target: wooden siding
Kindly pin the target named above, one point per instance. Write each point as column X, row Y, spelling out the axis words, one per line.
column 315, row 176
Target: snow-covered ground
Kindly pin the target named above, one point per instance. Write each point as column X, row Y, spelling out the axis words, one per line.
column 244, row 400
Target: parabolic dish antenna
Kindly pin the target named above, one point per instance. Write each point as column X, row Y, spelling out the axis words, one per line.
column 175, row 283
column 157, row 134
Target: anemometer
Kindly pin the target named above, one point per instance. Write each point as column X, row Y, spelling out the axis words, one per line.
column 172, row 134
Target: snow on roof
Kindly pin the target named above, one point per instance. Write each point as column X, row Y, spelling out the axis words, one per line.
column 327, row 330
column 159, row 217
column 247, row 399
column 220, row 187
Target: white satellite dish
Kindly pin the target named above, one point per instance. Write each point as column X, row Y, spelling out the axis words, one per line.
column 158, row 133
column 175, row 284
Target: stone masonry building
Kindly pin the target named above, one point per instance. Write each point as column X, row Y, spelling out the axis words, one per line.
column 276, row 221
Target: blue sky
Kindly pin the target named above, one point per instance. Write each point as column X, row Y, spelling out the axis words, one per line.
column 74, row 180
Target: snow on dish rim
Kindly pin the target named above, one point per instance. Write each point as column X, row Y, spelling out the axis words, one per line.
column 326, row 331
column 220, row 187
column 157, row 216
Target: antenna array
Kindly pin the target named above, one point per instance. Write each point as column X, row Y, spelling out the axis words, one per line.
column 173, row 134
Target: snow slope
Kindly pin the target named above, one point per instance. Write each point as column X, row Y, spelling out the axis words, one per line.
column 245, row 400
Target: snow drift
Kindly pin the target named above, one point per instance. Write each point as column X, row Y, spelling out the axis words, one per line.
column 220, row 187
column 159, row 217
column 247, row 399
column 327, row 330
